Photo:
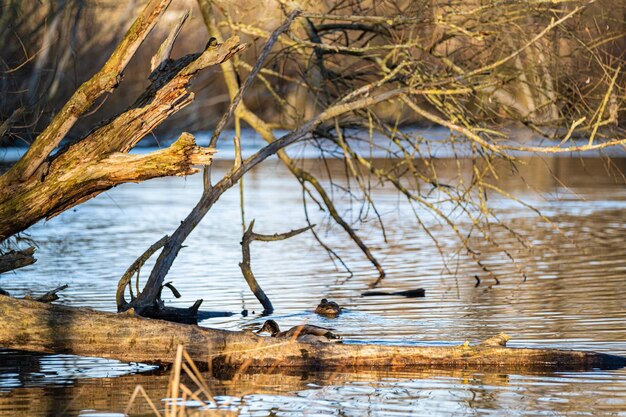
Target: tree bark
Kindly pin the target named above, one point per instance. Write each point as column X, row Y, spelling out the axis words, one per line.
column 38, row 327
column 16, row 259
column 100, row 160
column 105, row 81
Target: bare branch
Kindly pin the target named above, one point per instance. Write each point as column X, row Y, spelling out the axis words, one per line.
column 10, row 121
column 246, row 267
column 102, row 82
column 135, row 267
column 255, row 70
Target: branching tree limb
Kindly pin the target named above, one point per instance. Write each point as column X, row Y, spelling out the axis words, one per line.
column 263, row 129
column 100, row 161
column 246, row 268
column 124, row 282
column 105, row 81
column 170, row 251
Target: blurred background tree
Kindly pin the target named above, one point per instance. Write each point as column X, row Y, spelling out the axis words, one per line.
column 50, row 47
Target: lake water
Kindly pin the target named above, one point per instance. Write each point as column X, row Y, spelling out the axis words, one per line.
column 574, row 296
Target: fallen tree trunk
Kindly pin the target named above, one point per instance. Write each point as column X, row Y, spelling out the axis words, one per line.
column 38, row 327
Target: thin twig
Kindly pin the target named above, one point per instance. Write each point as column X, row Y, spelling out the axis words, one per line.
column 255, row 70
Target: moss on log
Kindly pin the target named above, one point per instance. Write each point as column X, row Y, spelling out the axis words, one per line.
column 38, row 327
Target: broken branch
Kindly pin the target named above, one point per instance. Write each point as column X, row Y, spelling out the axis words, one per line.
column 246, row 268
column 17, row 259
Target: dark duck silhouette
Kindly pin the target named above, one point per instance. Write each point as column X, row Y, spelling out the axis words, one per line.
column 302, row 333
column 328, row 308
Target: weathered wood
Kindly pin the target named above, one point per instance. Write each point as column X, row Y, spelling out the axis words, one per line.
column 246, row 267
column 38, row 327
column 17, row 259
column 165, row 50
column 100, row 160
column 49, row 296
column 75, row 177
column 104, row 81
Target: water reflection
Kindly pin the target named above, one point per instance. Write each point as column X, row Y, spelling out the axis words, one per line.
column 423, row 392
column 574, row 295
column 26, row 369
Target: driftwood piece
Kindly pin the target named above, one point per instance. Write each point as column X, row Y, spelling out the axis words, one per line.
column 17, row 259
column 48, row 328
column 48, row 297
column 51, row 295
column 416, row 293
column 188, row 315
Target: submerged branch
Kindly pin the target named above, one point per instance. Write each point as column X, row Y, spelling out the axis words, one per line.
column 248, row 237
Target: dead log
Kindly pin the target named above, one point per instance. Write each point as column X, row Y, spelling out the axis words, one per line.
column 17, row 259
column 246, row 267
column 37, row 327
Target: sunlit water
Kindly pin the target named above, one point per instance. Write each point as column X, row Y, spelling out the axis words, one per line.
column 574, row 296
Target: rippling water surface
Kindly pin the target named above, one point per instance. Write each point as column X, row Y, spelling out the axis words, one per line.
column 573, row 297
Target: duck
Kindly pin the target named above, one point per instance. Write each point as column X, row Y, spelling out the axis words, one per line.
column 496, row 341
column 303, row 333
column 328, row 308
